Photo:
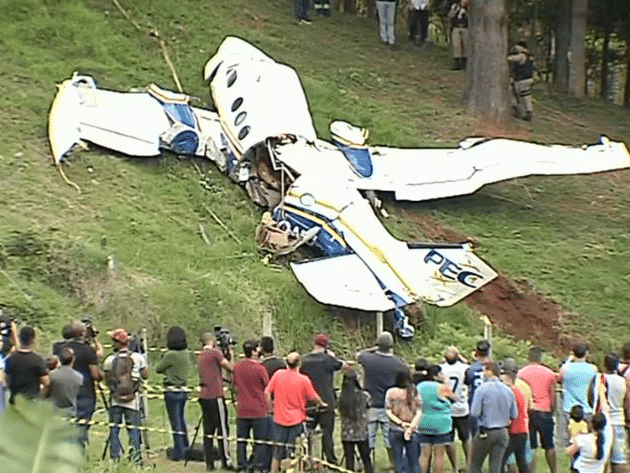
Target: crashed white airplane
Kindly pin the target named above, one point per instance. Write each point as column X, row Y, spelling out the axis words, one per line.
column 263, row 136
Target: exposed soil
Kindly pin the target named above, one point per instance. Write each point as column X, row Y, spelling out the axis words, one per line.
column 514, row 307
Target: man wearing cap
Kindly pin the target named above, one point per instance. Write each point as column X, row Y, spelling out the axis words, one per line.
column 576, row 374
column 474, row 375
column 542, row 381
column 250, row 380
column 287, row 393
column 380, row 369
column 212, row 400
column 120, row 409
column 320, row 366
column 494, row 407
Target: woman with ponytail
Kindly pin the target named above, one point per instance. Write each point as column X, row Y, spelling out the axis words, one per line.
column 592, row 450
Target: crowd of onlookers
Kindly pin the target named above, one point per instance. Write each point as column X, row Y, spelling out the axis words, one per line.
column 496, row 410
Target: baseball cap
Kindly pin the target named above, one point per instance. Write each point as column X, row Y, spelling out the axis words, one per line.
column 120, row 335
column 321, row 339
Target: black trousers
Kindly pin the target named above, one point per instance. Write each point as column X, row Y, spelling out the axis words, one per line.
column 364, row 451
column 419, row 25
column 326, row 420
column 215, row 421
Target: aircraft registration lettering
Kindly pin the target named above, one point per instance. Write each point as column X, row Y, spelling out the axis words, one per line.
column 451, row 270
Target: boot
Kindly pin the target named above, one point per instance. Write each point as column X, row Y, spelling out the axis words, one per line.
column 457, row 64
column 528, row 117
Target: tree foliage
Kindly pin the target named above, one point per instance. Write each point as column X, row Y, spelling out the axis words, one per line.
column 34, row 440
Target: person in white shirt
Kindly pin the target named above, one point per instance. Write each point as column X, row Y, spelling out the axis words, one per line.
column 454, row 370
column 592, row 450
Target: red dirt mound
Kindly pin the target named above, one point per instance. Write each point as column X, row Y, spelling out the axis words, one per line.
column 514, row 307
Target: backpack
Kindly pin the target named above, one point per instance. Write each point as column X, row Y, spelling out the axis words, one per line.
column 121, row 383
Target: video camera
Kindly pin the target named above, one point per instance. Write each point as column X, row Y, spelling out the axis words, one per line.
column 90, row 331
column 224, row 340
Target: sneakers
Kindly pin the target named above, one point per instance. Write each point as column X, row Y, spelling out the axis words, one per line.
column 305, row 21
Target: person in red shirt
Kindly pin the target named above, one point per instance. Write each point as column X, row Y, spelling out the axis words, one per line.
column 287, row 394
column 250, row 379
column 212, row 401
column 542, row 381
column 519, row 427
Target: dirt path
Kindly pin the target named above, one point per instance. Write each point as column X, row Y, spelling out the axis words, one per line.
column 514, row 307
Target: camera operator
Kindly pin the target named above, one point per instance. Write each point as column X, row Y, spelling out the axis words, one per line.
column 86, row 349
column 212, row 400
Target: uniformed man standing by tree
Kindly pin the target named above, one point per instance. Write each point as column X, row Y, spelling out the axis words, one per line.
column 522, row 68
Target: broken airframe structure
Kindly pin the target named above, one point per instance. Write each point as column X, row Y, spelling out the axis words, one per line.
column 262, row 136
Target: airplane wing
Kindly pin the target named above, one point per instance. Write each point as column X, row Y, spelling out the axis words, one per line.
column 424, row 174
column 343, row 281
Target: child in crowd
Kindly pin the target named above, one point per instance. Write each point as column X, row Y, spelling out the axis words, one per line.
column 577, row 424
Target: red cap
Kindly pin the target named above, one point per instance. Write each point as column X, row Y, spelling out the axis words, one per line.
column 120, row 335
column 322, row 340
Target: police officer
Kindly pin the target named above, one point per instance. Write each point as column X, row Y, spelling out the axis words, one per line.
column 522, row 63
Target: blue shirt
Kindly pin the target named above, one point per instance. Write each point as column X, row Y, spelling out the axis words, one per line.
column 576, row 377
column 473, row 378
column 493, row 405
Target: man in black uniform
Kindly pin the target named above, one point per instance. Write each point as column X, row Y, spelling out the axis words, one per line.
column 522, row 63
column 320, row 366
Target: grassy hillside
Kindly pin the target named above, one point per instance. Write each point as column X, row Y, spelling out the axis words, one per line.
column 128, row 249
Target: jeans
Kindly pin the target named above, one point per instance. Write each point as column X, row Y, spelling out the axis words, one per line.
column 175, row 404
column 259, row 428
column 300, row 9
column 406, row 452
column 387, row 21
column 85, row 410
column 377, row 416
column 132, row 420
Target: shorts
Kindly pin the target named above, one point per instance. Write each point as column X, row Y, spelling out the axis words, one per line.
column 286, row 436
column 511, row 460
column 462, row 426
column 618, row 452
column 541, row 424
column 435, row 440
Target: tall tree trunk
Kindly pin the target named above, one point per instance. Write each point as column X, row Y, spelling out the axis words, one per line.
column 603, row 88
column 577, row 62
column 563, row 43
column 486, row 92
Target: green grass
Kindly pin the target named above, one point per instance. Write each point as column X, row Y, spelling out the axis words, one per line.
column 128, row 251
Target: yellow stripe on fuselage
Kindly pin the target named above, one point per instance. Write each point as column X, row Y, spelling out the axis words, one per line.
column 380, row 256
